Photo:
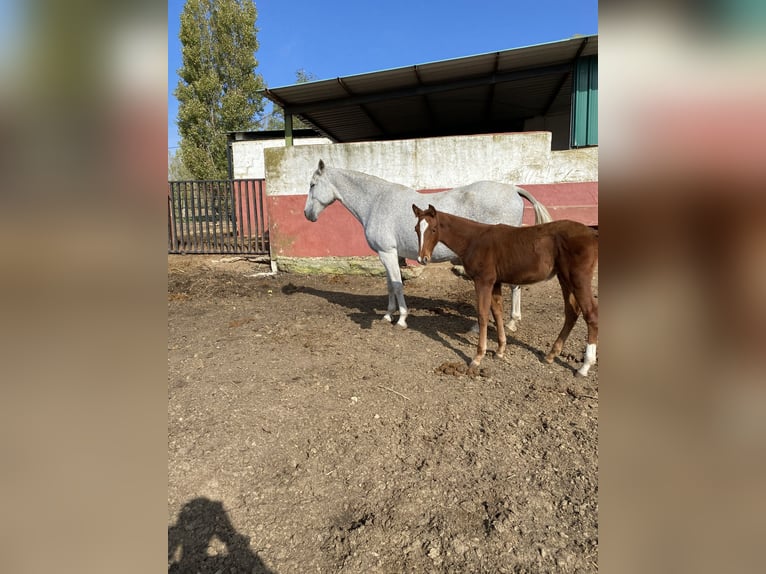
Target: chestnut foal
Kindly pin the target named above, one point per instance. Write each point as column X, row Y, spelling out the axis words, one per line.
column 497, row 254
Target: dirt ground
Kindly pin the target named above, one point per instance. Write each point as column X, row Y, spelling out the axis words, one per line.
column 307, row 435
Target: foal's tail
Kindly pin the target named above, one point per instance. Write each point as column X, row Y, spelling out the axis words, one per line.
column 541, row 214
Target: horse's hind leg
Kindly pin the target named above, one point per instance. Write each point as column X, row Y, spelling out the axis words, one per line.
column 571, row 312
column 390, row 261
column 497, row 313
column 590, row 314
column 515, row 307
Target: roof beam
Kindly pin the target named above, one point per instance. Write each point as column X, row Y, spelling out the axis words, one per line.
column 487, row 113
column 422, row 90
column 425, row 100
column 362, row 107
column 560, row 85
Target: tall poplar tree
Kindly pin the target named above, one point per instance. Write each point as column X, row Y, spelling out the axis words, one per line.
column 218, row 87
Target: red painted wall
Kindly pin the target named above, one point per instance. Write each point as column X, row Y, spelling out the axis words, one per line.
column 576, row 201
column 337, row 233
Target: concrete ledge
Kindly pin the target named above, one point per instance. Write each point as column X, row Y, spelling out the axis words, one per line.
column 369, row 266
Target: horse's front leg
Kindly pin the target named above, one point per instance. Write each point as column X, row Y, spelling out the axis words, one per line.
column 390, row 261
column 483, row 302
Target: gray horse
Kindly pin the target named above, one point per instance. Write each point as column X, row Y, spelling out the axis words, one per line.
column 385, row 211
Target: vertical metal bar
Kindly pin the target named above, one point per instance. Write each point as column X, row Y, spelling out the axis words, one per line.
column 216, row 214
column 185, row 216
column 205, row 223
column 212, row 215
column 178, row 223
column 255, row 228
column 193, row 211
column 203, row 227
column 171, row 221
column 170, row 217
column 174, row 199
column 222, row 216
column 236, row 188
column 233, row 216
column 250, row 205
column 195, row 220
column 229, row 215
column 199, row 236
column 258, row 212
column 264, row 229
column 202, row 220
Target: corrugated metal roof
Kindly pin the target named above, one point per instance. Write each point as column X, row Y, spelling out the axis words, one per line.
column 487, row 93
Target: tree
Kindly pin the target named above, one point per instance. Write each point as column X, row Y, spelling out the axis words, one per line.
column 217, row 90
column 177, row 171
column 276, row 119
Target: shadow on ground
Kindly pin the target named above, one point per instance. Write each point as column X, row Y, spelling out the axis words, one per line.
column 204, row 540
column 435, row 318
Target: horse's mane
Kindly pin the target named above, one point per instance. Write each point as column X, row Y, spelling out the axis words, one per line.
column 372, row 179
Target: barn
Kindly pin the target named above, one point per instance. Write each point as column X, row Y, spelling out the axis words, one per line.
column 526, row 116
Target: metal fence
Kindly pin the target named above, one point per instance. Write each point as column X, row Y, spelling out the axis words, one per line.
column 217, row 217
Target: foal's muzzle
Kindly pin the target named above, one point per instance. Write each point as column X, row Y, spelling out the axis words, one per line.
column 423, row 260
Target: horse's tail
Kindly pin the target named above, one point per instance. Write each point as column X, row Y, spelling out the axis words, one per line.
column 541, row 214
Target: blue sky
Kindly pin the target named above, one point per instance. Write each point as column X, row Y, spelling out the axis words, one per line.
column 331, row 38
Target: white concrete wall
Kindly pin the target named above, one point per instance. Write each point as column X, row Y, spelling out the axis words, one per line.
column 247, row 156
column 518, row 158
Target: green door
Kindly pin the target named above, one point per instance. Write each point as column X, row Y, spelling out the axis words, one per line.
column 585, row 102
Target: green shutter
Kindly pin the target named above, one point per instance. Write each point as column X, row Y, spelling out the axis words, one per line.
column 585, row 102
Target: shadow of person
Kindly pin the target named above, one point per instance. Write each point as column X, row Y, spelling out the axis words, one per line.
column 204, row 540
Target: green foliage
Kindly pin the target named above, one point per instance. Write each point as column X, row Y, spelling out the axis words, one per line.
column 177, row 171
column 218, row 88
column 276, row 119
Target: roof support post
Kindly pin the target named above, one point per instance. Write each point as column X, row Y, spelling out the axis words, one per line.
column 288, row 130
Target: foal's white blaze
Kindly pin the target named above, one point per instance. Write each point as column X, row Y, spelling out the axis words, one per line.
column 590, row 359
column 423, row 227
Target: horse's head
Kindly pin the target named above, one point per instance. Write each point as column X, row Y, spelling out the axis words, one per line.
column 321, row 193
column 427, row 229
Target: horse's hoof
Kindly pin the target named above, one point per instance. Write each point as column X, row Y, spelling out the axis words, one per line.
column 387, row 318
column 401, row 325
column 579, row 373
column 549, row 358
column 512, row 327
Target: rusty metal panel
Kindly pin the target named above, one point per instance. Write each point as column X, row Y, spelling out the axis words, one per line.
column 217, row 217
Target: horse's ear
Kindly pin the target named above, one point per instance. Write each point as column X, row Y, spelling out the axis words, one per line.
column 431, row 210
column 321, row 166
column 416, row 210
